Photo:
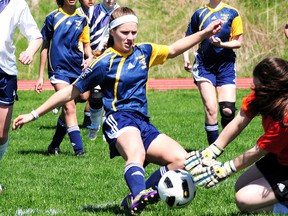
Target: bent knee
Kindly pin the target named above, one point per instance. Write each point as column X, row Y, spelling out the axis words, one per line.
column 243, row 202
column 178, row 161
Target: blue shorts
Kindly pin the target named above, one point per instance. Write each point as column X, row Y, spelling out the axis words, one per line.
column 8, row 89
column 218, row 73
column 117, row 123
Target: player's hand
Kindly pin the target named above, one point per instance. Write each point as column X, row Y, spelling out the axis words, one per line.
column 212, row 175
column 39, row 85
column 188, row 66
column 214, row 27
column 26, row 57
column 21, row 120
column 195, row 158
column 216, row 41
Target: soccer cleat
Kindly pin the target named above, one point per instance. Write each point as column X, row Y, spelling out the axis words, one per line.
column 144, row 198
column 92, row 133
column 80, row 154
column 53, row 151
column 127, row 202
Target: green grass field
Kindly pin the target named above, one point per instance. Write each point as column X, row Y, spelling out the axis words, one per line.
column 38, row 184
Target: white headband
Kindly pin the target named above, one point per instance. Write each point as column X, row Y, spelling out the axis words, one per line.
column 123, row 19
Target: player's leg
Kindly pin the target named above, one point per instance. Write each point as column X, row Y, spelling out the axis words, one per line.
column 164, row 151
column 209, row 99
column 67, row 123
column 5, row 120
column 73, row 130
column 263, row 187
column 84, row 98
column 226, row 91
column 227, row 103
column 254, row 193
column 130, row 147
column 122, row 131
column 96, row 111
column 86, row 118
column 8, row 95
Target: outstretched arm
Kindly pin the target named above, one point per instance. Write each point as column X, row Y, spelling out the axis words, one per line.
column 188, row 42
column 59, row 98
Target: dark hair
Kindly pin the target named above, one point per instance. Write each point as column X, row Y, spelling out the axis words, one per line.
column 121, row 11
column 271, row 93
column 60, row 3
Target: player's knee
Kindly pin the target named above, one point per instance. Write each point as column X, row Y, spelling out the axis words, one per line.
column 227, row 111
column 95, row 99
column 242, row 202
column 178, row 161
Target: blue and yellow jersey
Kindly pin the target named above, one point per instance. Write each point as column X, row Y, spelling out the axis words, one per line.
column 65, row 33
column 123, row 77
column 232, row 26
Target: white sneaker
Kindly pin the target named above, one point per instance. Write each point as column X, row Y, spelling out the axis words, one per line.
column 92, row 133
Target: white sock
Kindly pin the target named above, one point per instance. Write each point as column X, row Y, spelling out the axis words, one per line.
column 279, row 208
column 3, row 149
column 95, row 116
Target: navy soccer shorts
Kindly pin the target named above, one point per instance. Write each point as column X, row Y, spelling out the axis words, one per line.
column 8, row 89
column 119, row 122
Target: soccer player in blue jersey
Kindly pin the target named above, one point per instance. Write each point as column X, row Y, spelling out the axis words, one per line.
column 13, row 14
column 214, row 66
column 66, row 36
column 122, row 72
column 99, row 16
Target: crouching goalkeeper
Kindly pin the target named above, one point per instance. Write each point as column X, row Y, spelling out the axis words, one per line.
column 262, row 188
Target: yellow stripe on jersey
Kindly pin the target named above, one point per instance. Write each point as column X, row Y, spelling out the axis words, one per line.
column 49, row 53
column 118, row 73
column 60, row 20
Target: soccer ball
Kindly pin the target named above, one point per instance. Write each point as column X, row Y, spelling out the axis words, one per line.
column 176, row 188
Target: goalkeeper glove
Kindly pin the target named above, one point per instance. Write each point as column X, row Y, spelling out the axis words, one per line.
column 194, row 158
column 210, row 176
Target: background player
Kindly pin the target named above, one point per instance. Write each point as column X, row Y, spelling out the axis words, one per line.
column 65, row 64
column 13, row 14
column 99, row 16
column 214, row 66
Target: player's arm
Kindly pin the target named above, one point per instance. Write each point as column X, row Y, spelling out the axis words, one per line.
column 213, row 151
column 88, row 55
column 43, row 62
column 212, row 175
column 188, row 42
column 26, row 57
column 234, row 43
column 58, row 99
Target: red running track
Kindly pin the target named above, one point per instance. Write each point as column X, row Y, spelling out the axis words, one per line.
column 157, row 84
